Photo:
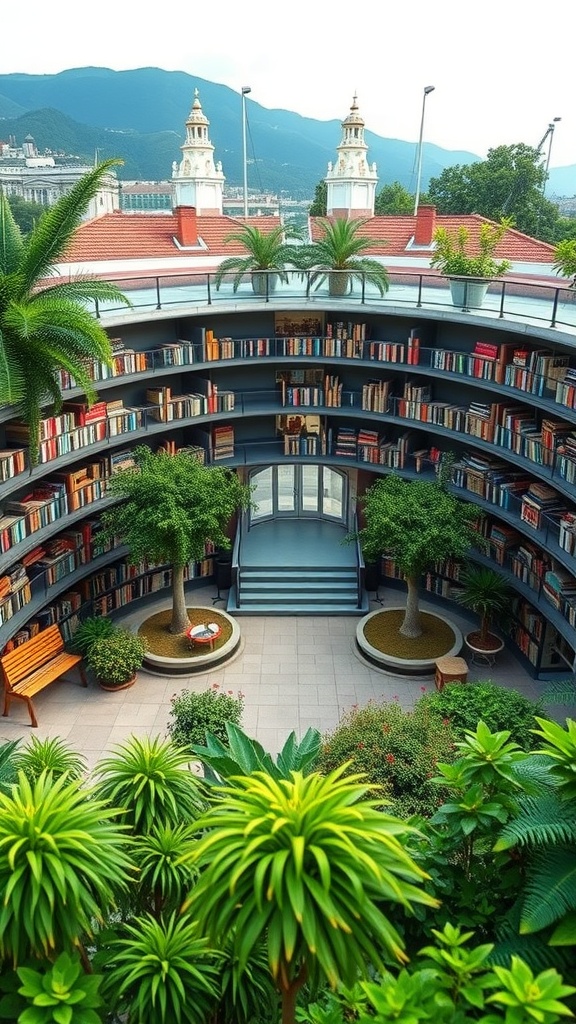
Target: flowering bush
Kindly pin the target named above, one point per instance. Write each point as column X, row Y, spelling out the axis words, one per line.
column 114, row 659
column 192, row 715
column 398, row 750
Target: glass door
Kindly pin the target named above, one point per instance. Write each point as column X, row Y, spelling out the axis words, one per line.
column 297, row 491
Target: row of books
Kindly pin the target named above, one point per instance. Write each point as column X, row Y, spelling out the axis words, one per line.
column 308, row 444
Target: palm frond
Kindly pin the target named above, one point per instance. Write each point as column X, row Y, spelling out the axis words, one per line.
column 534, row 774
column 55, row 229
column 12, row 377
column 541, row 821
column 11, row 242
column 82, row 289
column 550, row 890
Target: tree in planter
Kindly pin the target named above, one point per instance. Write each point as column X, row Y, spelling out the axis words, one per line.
column 46, row 326
column 267, row 255
column 173, row 506
column 310, row 867
column 487, row 593
column 340, row 257
column 417, row 523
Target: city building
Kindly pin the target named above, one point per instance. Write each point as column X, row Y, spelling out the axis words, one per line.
column 309, row 398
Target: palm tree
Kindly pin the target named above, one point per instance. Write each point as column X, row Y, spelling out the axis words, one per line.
column 339, row 257
column 267, row 255
column 45, row 324
column 307, row 865
column 487, row 593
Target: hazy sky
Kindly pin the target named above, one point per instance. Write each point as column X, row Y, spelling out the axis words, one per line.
column 502, row 69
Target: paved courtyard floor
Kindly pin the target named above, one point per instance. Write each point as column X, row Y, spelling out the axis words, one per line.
column 294, row 673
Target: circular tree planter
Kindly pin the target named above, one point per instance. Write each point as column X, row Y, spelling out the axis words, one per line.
column 406, row 666
column 190, row 661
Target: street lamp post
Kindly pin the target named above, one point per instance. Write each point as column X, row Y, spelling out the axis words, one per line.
column 245, row 90
column 551, row 128
column 427, row 89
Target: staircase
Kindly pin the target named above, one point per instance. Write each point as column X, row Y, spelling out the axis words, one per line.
column 297, row 590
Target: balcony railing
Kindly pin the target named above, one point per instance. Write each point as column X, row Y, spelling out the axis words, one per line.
column 532, row 301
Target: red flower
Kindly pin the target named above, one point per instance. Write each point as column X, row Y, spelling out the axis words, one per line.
column 360, row 746
column 445, row 721
column 423, row 688
column 390, row 758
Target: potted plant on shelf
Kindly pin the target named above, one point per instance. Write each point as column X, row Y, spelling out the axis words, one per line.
column 485, row 592
column 565, row 259
column 116, row 658
column 268, row 254
column 339, row 257
column 469, row 274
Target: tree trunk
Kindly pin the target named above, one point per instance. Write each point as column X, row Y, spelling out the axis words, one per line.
column 411, row 626
column 290, row 992
column 180, row 620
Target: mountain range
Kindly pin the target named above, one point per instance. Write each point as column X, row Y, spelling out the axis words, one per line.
column 139, row 117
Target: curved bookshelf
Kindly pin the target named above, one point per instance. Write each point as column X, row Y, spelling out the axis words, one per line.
column 256, row 357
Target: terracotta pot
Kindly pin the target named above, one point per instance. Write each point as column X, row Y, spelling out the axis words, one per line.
column 116, row 686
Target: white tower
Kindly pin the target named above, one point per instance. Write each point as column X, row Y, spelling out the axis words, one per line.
column 197, row 180
column 351, row 182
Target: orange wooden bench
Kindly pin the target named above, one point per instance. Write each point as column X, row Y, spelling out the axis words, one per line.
column 35, row 664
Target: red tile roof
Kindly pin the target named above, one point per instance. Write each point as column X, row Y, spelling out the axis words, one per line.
column 132, row 236
column 394, row 235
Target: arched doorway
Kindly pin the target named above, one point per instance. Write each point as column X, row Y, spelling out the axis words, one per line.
column 299, row 491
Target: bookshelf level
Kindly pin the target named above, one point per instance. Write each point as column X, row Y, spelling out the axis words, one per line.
column 377, row 394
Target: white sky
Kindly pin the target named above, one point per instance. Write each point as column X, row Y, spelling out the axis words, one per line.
column 502, row 69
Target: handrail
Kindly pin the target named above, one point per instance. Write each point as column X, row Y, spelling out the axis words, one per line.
column 534, row 299
column 361, row 570
column 235, row 581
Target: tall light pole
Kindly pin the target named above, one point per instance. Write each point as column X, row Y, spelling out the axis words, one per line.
column 245, row 90
column 550, row 133
column 427, row 89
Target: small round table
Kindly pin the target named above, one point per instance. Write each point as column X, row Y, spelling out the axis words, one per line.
column 204, row 633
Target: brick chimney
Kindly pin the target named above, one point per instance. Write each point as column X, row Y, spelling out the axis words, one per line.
column 187, row 232
column 425, row 225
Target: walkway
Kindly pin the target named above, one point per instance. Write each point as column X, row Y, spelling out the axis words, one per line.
column 293, row 672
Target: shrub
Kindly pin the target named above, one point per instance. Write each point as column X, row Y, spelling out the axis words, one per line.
column 192, row 715
column 90, row 632
column 116, row 658
column 398, row 750
column 497, row 707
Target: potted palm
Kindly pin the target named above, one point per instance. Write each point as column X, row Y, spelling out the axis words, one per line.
column 485, row 592
column 339, row 257
column 116, row 658
column 469, row 275
column 267, row 256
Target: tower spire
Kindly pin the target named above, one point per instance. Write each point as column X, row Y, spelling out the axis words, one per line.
column 198, row 181
column 351, row 182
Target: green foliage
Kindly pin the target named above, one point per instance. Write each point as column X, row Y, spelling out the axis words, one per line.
column 394, row 200
column 565, row 258
column 115, row 658
column 266, row 251
column 50, row 755
column 486, row 592
column 397, row 750
column 195, row 715
column 241, row 755
column 416, row 522
column 318, row 206
column 508, row 183
column 164, row 878
column 44, row 328
column 452, row 254
column 61, row 863
column 560, row 745
column 498, row 707
column 309, row 866
column 149, row 778
column 529, row 998
column 62, row 994
column 7, row 764
column 342, row 248
column 25, row 213
column 89, row 632
column 163, row 972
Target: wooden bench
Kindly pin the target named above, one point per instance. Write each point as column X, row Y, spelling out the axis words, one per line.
column 35, row 664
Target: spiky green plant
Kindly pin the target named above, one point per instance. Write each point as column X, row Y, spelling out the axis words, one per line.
column 341, row 249
column 62, row 863
column 485, row 592
column 90, row 632
column 51, row 755
column 62, row 994
column 164, row 877
column 310, row 867
column 265, row 251
column 149, row 777
column 242, row 755
column 163, row 972
column 7, row 764
column 45, row 324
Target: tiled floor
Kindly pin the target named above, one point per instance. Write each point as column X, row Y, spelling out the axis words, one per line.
column 294, row 672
